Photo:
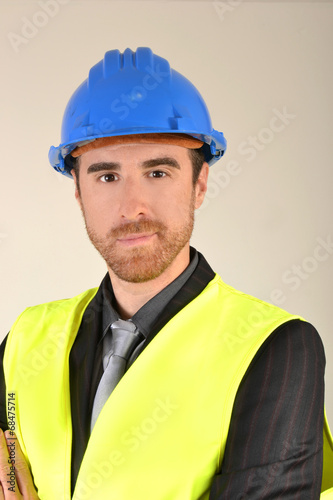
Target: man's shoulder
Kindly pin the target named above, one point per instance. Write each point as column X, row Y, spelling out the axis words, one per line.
column 245, row 301
column 59, row 307
column 288, row 331
column 56, row 321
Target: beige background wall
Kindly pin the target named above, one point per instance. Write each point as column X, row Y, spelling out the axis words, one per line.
column 266, row 226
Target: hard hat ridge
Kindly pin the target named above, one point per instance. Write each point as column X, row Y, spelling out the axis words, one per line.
column 133, row 93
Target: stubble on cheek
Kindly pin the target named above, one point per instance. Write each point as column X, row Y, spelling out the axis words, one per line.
column 142, row 263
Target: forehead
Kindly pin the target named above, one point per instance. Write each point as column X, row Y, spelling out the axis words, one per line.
column 135, row 153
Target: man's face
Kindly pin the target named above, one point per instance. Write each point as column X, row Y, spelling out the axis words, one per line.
column 138, row 203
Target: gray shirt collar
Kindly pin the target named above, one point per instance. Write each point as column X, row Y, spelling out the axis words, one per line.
column 147, row 314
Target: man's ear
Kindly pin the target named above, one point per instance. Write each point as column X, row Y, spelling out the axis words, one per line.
column 201, row 185
column 77, row 187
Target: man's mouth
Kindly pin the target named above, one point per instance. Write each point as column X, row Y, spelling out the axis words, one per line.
column 136, row 239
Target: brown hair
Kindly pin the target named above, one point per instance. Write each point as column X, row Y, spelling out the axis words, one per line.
column 198, row 158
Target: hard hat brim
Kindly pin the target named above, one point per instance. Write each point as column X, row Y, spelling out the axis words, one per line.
column 183, row 140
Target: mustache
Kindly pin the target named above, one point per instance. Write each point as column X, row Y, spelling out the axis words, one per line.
column 142, row 226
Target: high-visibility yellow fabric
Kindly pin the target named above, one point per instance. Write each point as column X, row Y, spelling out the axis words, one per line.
column 162, row 433
column 327, row 482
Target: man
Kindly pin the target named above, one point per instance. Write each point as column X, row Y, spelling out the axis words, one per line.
column 163, row 383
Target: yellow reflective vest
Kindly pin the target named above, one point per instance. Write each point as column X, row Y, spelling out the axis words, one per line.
column 167, row 397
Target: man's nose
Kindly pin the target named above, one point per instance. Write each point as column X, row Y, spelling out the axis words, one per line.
column 133, row 202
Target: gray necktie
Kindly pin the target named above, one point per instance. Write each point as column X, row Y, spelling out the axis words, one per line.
column 125, row 338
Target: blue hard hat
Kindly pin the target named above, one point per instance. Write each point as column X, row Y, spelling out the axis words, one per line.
column 134, row 93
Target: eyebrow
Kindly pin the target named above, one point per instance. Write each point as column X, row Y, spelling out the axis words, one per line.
column 104, row 165
column 164, row 160
column 154, row 162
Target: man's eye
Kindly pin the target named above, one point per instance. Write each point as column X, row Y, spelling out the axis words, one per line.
column 157, row 174
column 108, row 178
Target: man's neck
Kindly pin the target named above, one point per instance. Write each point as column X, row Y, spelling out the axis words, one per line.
column 131, row 297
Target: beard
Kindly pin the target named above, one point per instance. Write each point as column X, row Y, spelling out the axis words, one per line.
column 145, row 262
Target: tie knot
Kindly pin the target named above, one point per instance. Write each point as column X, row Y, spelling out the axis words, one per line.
column 122, row 324
column 125, row 338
